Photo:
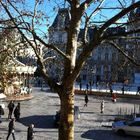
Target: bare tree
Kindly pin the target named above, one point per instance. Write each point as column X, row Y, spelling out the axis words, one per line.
column 27, row 22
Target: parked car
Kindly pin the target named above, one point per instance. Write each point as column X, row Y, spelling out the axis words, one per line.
column 131, row 127
column 57, row 116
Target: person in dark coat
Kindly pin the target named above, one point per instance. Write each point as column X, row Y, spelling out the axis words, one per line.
column 17, row 112
column 138, row 90
column 111, row 90
column 90, row 85
column 11, row 129
column 80, row 86
column 1, row 113
column 87, row 86
column 11, row 108
column 30, row 132
column 86, row 99
column 102, row 106
column 123, row 90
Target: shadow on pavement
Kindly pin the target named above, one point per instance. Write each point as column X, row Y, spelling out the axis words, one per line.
column 84, row 112
column 105, row 135
column 40, row 121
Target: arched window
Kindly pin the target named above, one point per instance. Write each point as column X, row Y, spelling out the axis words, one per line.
column 106, row 56
column 114, row 58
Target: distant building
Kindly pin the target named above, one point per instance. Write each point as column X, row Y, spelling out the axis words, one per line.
column 133, row 45
column 106, row 64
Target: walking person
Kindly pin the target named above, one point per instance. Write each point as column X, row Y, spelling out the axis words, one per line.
column 11, row 108
column 123, row 90
column 87, row 86
column 30, row 132
column 138, row 90
column 1, row 113
column 90, row 85
column 111, row 90
column 80, row 85
column 11, row 129
column 86, row 99
column 17, row 112
column 102, row 106
column 114, row 97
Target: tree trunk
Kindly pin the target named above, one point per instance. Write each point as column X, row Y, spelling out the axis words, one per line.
column 66, row 126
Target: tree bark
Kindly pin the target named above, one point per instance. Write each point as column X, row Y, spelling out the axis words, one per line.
column 66, row 126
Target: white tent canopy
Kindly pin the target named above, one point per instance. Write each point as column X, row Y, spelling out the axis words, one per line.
column 16, row 66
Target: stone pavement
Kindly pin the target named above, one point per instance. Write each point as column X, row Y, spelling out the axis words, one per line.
column 91, row 126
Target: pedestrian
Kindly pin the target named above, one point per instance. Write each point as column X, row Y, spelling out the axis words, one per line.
column 138, row 90
column 1, row 113
column 123, row 90
column 87, row 86
column 11, row 129
column 80, row 84
column 86, row 99
column 111, row 90
column 102, row 106
column 30, row 132
column 17, row 112
column 90, row 85
column 11, row 108
column 114, row 97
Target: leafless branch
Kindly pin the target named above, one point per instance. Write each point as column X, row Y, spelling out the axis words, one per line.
column 69, row 1
column 87, row 20
column 119, row 15
column 34, row 14
column 23, row 21
column 51, row 47
column 49, row 58
column 122, row 52
column 111, row 36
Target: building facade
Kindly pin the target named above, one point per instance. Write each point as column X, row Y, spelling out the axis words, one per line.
column 106, row 64
column 133, row 45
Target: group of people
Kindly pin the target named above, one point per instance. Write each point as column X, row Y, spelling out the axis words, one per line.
column 88, row 85
column 11, row 130
column 87, row 100
column 14, row 110
column 14, row 115
column 1, row 112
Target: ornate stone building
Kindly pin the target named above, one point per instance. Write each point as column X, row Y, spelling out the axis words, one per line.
column 133, row 45
column 105, row 64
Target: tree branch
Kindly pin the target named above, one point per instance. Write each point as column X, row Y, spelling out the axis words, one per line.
column 69, row 1
column 50, row 80
column 111, row 36
column 33, row 18
column 119, row 15
column 88, row 19
column 51, row 46
column 123, row 53
column 25, row 23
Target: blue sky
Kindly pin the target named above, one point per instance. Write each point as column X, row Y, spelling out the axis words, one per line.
column 51, row 7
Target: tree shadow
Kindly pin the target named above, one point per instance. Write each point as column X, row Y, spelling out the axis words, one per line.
column 105, row 135
column 40, row 121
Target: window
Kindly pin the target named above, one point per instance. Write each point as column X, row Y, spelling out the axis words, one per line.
column 84, row 77
column 60, row 38
column 113, row 56
column 99, row 56
column 137, row 123
column 106, row 56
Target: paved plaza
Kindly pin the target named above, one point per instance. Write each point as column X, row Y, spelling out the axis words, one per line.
column 91, row 126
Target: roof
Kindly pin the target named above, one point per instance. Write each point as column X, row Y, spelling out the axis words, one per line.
column 63, row 16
